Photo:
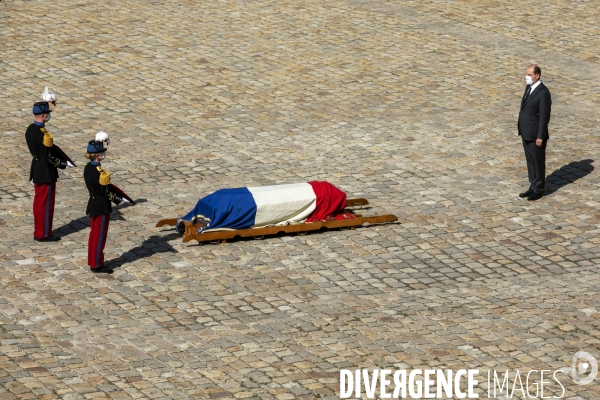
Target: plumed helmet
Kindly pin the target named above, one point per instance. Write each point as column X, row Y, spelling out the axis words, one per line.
column 95, row 147
column 41, row 107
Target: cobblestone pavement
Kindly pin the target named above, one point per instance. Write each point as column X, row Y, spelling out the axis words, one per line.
column 411, row 104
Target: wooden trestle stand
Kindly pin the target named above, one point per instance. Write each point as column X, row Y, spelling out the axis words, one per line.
column 222, row 235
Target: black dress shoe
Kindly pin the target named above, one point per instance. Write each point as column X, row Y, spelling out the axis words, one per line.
column 535, row 196
column 50, row 238
column 102, row 270
column 526, row 194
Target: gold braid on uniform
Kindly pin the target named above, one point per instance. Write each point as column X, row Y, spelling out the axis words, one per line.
column 104, row 176
column 48, row 141
column 54, row 161
column 48, row 138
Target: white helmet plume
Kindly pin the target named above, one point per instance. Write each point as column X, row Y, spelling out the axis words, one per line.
column 102, row 137
column 49, row 96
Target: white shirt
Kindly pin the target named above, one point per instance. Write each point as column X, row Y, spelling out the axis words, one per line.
column 534, row 86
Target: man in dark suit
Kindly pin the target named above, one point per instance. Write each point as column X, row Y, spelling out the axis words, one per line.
column 533, row 129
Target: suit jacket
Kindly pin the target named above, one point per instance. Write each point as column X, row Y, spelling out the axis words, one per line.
column 535, row 114
column 99, row 202
column 44, row 161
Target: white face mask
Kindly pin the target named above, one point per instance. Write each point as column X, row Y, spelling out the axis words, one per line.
column 103, row 156
column 528, row 80
column 47, row 118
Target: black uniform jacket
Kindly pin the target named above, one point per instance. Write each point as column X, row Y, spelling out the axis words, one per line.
column 535, row 114
column 99, row 202
column 44, row 163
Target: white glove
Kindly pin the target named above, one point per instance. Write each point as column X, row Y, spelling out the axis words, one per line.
column 70, row 165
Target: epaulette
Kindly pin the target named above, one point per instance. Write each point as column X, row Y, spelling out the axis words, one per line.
column 48, row 138
column 104, row 176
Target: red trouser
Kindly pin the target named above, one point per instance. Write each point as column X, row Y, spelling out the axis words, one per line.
column 43, row 209
column 97, row 240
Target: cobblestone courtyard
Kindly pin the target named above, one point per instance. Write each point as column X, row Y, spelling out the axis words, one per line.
column 410, row 104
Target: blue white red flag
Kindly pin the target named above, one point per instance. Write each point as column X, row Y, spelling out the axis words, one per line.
column 253, row 207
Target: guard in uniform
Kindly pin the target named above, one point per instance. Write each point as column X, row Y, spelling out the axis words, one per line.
column 44, row 172
column 99, row 204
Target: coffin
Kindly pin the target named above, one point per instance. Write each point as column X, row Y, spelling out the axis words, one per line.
column 254, row 207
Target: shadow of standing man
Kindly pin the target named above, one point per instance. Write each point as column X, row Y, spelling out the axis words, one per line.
column 568, row 174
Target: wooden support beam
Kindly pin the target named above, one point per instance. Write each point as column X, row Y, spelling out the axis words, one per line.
column 223, row 235
column 356, row 202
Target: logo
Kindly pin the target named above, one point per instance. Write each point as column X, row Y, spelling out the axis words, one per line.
column 585, row 368
column 437, row 384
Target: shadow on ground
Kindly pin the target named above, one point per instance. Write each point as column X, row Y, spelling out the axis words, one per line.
column 567, row 174
column 83, row 222
column 153, row 245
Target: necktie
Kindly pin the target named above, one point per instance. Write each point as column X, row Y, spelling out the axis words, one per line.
column 527, row 92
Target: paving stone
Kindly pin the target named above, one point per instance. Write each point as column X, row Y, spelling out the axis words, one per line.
column 412, row 105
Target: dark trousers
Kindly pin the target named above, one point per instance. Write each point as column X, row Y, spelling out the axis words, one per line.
column 536, row 165
column 97, row 240
column 43, row 209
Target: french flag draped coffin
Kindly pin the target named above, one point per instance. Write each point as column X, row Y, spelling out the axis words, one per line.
column 253, row 207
